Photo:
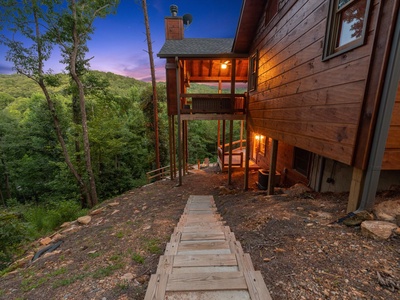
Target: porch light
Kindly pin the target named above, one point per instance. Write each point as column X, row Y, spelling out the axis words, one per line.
column 224, row 66
column 257, row 137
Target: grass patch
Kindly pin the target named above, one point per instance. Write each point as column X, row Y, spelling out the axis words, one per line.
column 153, row 246
column 120, row 235
column 94, row 255
column 68, row 281
column 32, row 282
column 106, row 271
column 136, row 257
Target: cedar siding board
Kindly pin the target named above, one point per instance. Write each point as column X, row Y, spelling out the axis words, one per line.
column 309, row 103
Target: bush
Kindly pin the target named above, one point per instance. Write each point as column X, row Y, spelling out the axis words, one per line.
column 13, row 230
column 46, row 218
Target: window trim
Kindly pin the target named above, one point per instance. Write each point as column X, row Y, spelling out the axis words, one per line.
column 253, row 74
column 331, row 32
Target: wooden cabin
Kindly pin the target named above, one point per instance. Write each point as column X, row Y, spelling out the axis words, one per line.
column 191, row 60
column 322, row 71
column 323, row 101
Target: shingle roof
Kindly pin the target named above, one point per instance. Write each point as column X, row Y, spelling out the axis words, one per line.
column 196, row 47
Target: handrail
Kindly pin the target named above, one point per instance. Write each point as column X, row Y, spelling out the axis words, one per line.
column 160, row 173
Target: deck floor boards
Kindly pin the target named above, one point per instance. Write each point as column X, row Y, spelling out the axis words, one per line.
column 203, row 260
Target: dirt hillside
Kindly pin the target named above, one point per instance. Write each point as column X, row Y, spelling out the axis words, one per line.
column 293, row 240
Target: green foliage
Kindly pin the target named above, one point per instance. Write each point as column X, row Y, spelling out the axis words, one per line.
column 12, row 232
column 136, row 257
column 106, row 271
column 45, row 218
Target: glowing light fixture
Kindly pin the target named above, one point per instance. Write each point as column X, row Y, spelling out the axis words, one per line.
column 224, row 66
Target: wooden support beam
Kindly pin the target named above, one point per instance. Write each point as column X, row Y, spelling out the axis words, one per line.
column 230, row 152
column 200, row 116
column 356, row 188
column 272, row 167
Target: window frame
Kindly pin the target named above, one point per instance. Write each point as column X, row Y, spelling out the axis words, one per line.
column 332, row 31
column 253, row 72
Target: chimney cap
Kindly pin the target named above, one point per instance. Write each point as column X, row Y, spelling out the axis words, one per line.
column 174, row 10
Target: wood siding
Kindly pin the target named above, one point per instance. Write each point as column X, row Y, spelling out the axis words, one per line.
column 301, row 100
column 391, row 158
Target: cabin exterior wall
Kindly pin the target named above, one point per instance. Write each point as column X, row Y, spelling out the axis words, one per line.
column 327, row 107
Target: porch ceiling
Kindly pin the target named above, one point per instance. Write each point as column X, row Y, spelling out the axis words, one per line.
column 210, row 70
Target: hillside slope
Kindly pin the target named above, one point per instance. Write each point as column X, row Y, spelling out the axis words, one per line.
column 291, row 240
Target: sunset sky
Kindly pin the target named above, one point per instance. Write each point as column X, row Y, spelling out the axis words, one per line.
column 119, row 42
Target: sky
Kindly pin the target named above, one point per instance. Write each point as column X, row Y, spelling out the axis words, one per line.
column 119, row 44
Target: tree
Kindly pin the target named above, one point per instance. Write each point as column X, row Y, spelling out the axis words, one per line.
column 68, row 24
column 153, row 83
column 24, row 18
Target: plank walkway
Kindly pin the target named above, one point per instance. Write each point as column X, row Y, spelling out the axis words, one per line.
column 204, row 261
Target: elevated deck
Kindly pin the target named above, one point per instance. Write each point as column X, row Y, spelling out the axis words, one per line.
column 203, row 260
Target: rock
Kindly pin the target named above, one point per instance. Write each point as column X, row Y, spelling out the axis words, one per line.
column 321, row 214
column 358, row 218
column 84, row 220
column 387, row 210
column 96, row 211
column 143, row 279
column 377, row 229
column 45, row 241
column 65, row 224
column 297, row 189
column 56, row 237
column 127, row 277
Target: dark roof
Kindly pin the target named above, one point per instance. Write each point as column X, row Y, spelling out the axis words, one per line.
column 197, row 47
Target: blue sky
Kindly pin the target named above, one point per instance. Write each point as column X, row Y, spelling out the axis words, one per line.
column 119, row 42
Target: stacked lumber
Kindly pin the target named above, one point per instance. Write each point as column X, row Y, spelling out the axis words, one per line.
column 203, row 260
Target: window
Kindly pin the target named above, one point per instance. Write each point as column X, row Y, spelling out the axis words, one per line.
column 271, row 10
column 301, row 161
column 253, row 71
column 347, row 23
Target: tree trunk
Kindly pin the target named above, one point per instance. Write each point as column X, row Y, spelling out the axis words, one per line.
column 73, row 59
column 52, row 110
column 153, row 83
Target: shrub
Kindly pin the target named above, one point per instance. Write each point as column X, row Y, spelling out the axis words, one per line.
column 12, row 232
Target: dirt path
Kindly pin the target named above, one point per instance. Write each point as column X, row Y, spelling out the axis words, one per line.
column 300, row 254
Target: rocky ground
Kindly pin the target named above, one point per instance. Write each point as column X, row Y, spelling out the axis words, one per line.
column 294, row 240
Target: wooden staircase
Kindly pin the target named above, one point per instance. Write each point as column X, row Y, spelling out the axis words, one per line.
column 204, row 261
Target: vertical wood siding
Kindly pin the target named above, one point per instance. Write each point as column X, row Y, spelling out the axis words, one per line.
column 301, row 100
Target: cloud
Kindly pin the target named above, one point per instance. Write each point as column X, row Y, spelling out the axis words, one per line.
column 6, row 69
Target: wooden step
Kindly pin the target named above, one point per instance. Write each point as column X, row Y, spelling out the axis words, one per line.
column 160, row 284
column 204, row 261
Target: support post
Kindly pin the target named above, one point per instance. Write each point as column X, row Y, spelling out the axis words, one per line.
column 356, row 188
column 272, row 167
column 171, row 149
column 247, row 159
column 178, row 103
column 223, row 144
column 173, row 145
column 230, row 152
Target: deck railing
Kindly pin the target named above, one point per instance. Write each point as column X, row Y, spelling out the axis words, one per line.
column 213, row 103
column 240, row 144
column 158, row 174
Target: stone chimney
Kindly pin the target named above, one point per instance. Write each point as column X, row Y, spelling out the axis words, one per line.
column 173, row 25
